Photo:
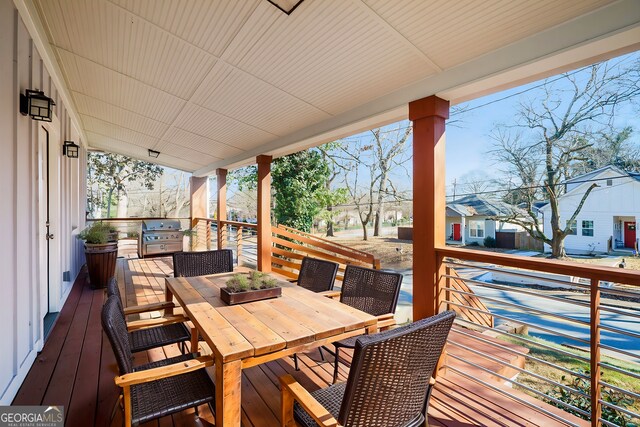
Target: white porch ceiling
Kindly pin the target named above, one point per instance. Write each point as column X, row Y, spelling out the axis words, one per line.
column 212, row 83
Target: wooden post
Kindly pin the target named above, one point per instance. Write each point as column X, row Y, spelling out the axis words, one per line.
column 221, row 211
column 428, row 116
column 264, row 213
column 239, row 243
column 199, row 209
column 596, row 407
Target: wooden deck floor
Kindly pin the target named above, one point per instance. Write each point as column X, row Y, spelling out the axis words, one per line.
column 76, row 369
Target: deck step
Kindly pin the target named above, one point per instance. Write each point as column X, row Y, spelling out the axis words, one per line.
column 500, row 359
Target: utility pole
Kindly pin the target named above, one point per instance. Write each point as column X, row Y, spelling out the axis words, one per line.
column 454, row 189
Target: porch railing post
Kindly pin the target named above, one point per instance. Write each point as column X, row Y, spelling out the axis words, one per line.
column 208, row 234
column 264, row 213
column 221, row 211
column 596, row 407
column 428, row 116
column 239, row 242
column 199, row 208
column 441, row 302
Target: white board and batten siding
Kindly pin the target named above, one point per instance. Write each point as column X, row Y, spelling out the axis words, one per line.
column 21, row 302
column 617, row 195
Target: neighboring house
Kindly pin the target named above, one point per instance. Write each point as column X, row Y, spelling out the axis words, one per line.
column 609, row 217
column 470, row 219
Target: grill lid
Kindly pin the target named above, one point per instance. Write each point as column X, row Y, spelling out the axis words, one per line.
column 160, row 225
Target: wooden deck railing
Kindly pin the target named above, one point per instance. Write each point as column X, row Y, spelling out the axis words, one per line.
column 572, row 315
column 465, row 297
column 289, row 246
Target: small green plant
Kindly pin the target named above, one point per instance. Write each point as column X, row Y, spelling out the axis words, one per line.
column 473, row 244
column 489, row 242
column 582, row 385
column 238, row 283
column 98, row 233
column 254, row 281
column 269, row 282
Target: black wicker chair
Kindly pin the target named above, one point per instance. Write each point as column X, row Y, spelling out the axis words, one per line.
column 316, row 275
column 169, row 330
column 372, row 291
column 190, row 264
column 389, row 383
column 186, row 385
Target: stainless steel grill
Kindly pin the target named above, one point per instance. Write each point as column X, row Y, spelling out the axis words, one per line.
column 159, row 237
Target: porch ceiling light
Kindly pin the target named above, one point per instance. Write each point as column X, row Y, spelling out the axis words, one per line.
column 37, row 105
column 70, row 149
column 286, row 6
column 153, row 153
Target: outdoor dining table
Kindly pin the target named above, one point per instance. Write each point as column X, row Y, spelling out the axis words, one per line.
column 246, row 335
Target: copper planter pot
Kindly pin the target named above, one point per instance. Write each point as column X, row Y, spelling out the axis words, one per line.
column 101, row 263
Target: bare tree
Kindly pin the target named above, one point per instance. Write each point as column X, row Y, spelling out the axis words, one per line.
column 175, row 194
column 332, row 196
column 351, row 158
column 390, row 152
column 562, row 123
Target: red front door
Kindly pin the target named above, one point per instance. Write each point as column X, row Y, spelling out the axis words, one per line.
column 456, row 232
column 629, row 234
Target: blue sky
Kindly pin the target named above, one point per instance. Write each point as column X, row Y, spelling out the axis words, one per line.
column 469, row 142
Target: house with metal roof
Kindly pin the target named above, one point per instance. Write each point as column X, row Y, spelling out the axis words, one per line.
column 473, row 218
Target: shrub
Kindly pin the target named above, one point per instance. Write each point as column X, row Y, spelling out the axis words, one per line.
column 489, row 242
column 473, row 244
column 609, row 395
column 98, row 233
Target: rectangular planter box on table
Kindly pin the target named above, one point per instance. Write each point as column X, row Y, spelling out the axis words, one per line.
column 249, row 296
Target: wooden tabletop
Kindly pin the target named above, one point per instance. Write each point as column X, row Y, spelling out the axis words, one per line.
column 258, row 328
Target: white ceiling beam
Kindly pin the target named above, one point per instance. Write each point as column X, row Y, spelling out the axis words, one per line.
column 604, row 33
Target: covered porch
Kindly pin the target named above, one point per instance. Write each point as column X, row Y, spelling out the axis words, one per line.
column 208, row 88
column 77, row 366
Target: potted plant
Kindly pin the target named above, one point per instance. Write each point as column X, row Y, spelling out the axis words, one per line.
column 247, row 287
column 101, row 252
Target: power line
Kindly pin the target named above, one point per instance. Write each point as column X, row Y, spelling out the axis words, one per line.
column 402, row 199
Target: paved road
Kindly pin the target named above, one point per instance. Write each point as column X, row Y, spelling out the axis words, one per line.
column 571, row 328
column 624, row 322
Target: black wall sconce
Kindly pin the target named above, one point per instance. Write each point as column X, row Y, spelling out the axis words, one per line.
column 153, row 153
column 70, row 149
column 37, row 105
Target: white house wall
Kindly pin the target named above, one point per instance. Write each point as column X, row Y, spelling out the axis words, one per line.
column 622, row 198
column 21, row 68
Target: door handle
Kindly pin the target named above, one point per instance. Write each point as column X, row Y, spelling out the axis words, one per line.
column 49, row 236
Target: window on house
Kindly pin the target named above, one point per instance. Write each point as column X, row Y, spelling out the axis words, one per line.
column 476, row 228
column 573, row 227
column 587, row 228
column 609, row 182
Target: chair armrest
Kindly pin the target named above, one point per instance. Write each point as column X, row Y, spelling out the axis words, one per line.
column 137, row 309
column 292, row 390
column 385, row 321
column 330, row 294
column 127, row 380
column 150, row 323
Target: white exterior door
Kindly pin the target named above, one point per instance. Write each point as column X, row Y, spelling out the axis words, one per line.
column 49, row 274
